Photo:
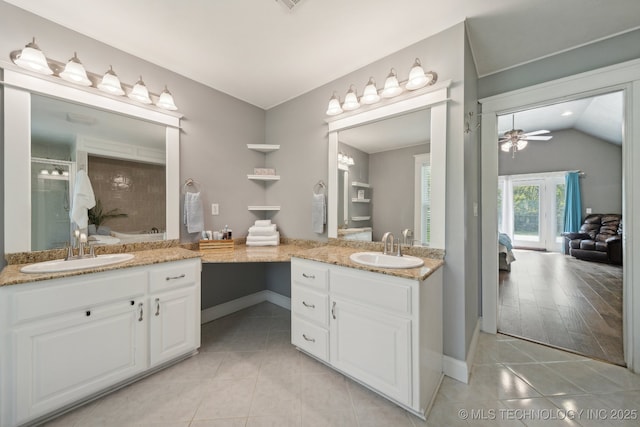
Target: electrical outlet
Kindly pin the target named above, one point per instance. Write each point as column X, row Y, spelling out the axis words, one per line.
column 215, row 210
column 589, row 211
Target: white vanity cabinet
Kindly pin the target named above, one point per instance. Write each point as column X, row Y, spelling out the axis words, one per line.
column 384, row 331
column 65, row 340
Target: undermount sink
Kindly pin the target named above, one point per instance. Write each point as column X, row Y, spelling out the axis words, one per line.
column 378, row 259
column 60, row 265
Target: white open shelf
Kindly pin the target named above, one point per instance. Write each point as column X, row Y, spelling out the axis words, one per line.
column 264, row 208
column 264, row 177
column 356, row 200
column 360, row 184
column 265, row 148
column 360, row 218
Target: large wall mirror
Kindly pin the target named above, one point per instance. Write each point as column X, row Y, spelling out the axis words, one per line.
column 130, row 154
column 387, row 170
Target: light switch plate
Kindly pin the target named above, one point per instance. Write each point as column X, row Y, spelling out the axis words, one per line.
column 589, row 211
column 215, row 210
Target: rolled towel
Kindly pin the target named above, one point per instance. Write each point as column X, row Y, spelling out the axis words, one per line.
column 252, row 238
column 263, row 231
column 262, row 222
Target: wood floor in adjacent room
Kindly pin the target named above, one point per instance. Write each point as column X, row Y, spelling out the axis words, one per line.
column 555, row 299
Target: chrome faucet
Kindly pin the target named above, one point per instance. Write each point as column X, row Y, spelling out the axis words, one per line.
column 385, row 239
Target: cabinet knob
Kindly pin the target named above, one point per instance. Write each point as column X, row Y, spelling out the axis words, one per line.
column 308, row 276
column 308, row 305
column 308, row 339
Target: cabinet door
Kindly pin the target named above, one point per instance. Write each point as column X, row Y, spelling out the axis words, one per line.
column 62, row 359
column 173, row 324
column 372, row 347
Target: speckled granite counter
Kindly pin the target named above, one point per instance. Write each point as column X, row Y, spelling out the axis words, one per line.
column 339, row 255
column 244, row 253
column 11, row 274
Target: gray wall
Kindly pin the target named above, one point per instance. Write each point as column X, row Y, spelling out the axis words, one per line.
column 570, row 149
column 393, row 180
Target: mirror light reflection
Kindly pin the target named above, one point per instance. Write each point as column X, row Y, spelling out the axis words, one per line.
column 124, row 158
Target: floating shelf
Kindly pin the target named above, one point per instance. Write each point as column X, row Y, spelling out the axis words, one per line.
column 360, row 184
column 360, row 218
column 264, row 208
column 264, row 177
column 356, row 200
column 265, row 148
column 54, row 177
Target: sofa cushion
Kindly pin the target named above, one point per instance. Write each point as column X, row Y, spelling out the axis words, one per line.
column 588, row 245
column 575, row 243
column 601, row 246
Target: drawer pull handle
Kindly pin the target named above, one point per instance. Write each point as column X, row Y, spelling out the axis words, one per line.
column 157, row 306
column 141, row 312
column 308, row 339
column 175, row 277
column 333, row 310
column 308, row 276
column 308, row 305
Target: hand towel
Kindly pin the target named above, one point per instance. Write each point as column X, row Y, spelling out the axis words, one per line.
column 318, row 213
column 262, row 223
column 83, row 199
column 193, row 215
column 253, row 239
column 273, row 242
column 263, row 231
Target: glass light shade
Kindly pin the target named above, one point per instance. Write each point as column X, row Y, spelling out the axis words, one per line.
column 391, row 86
column 417, row 78
column 334, row 106
column 140, row 92
column 370, row 94
column 350, row 100
column 44, row 172
column 350, row 161
column 74, row 72
column 340, row 158
column 506, row 146
column 111, row 83
column 522, row 144
column 166, row 100
column 32, row 58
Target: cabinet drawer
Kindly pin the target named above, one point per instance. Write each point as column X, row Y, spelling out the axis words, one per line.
column 376, row 290
column 310, row 338
column 173, row 275
column 62, row 295
column 309, row 304
column 309, row 273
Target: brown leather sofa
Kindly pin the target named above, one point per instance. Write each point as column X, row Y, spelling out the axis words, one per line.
column 599, row 239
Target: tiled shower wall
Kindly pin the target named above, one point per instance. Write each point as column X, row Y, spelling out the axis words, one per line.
column 137, row 189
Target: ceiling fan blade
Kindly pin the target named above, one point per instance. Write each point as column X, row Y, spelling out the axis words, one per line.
column 537, row 138
column 537, row 132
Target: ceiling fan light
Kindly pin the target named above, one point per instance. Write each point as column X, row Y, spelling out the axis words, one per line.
column 417, row 77
column 74, row 72
column 521, row 144
column 351, row 100
column 140, row 92
column 166, row 100
column 506, row 146
column 32, row 58
column 391, row 86
column 334, row 107
column 111, row 83
column 370, row 94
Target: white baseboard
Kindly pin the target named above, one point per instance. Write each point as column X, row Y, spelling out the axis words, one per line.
column 461, row 369
column 224, row 309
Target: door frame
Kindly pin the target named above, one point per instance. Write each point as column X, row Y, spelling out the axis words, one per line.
column 617, row 77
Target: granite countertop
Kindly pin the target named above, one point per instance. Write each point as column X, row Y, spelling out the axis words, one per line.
column 11, row 274
column 244, row 253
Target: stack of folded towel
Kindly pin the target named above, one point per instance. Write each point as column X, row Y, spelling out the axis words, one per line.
column 263, row 233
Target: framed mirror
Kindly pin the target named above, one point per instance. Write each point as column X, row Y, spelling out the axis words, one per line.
column 130, row 153
column 394, row 177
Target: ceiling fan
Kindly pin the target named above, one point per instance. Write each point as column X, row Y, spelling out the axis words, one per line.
column 516, row 139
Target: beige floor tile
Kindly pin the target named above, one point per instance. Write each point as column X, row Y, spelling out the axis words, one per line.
column 588, row 410
column 226, row 422
column 278, row 340
column 502, row 382
column 544, row 380
column 536, row 412
column 541, row 353
column 201, row 367
column 626, row 379
column 240, row 364
column 499, row 351
column 230, row 398
column 583, row 377
column 275, row 421
column 383, row 416
column 321, row 417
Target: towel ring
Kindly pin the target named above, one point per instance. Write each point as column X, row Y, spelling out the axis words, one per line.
column 319, row 188
column 189, row 184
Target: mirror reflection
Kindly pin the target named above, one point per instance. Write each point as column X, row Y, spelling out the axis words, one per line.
column 124, row 159
column 384, row 185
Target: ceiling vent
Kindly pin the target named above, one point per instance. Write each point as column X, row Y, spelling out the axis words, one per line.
column 289, row 4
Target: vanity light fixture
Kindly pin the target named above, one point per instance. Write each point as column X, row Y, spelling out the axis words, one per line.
column 140, row 92
column 370, row 94
column 166, row 100
column 391, row 86
column 32, row 58
column 111, row 83
column 74, row 72
column 351, row 100
column 334, row 106
column 417, row 77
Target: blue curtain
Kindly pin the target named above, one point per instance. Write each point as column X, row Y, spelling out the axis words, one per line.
column 572, row 203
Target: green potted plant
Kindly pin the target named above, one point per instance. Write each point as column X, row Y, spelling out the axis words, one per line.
column 97, row 216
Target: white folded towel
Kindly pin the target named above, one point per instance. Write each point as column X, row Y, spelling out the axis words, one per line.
column 83, row 199
column 253, row 239
column 272, row 242
column 318, row 213
column 263, row 231
column 262, row 222
column 193, row 215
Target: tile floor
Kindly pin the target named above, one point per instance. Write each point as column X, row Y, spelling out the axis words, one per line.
column 248, row 374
